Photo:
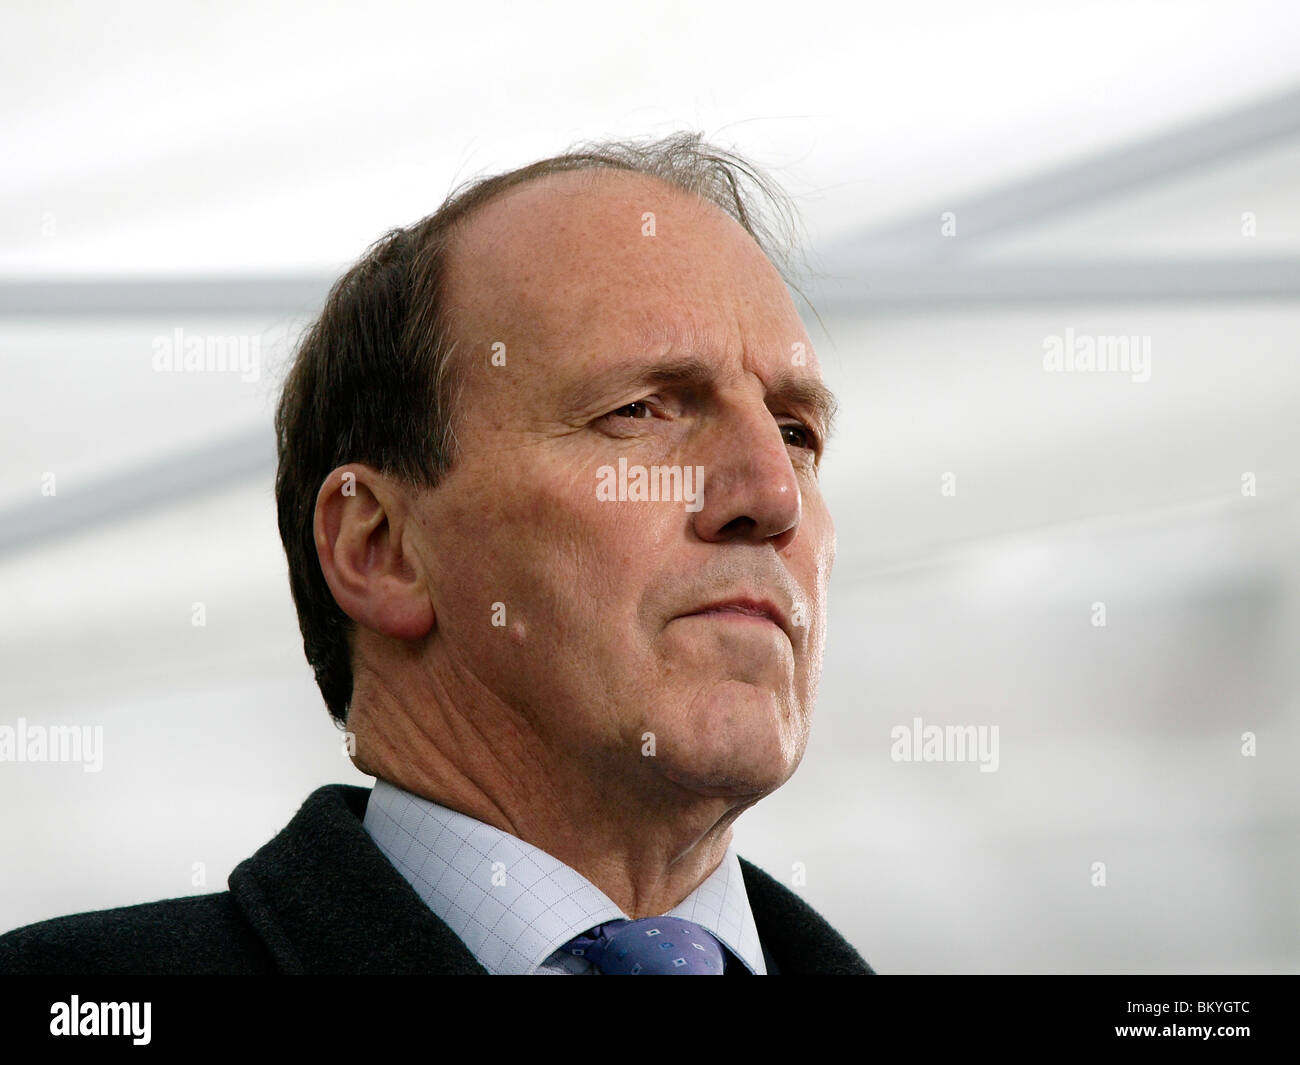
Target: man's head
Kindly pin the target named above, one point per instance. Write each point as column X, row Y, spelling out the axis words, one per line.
column 462, row 440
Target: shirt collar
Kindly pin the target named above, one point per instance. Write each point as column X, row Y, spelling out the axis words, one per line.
column 511, row 903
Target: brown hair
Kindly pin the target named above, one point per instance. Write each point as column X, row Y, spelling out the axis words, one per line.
column 373, row 380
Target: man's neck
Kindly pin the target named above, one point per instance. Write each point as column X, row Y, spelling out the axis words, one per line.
column 644, row 841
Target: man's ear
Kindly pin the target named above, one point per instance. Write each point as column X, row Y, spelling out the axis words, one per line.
column 361, row 533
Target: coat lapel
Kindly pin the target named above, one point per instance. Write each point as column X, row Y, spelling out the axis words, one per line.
column 795, row 934
column 324, row 899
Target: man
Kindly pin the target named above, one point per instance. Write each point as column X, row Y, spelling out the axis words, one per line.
column 548, row 492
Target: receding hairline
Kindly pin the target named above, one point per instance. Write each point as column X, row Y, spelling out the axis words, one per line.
column 587, row 178
column 459, row 239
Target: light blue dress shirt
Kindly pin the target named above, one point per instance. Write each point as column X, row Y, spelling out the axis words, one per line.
column 514, row 905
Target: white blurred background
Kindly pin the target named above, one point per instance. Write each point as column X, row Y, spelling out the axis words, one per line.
column 1111, row 168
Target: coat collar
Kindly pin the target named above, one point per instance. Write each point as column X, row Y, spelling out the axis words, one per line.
column 324, row 899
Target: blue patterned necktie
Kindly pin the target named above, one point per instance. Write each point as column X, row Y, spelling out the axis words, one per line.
column 650, row 946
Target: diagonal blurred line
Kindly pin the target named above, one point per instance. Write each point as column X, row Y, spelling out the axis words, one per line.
column 151, row 485
column 1151, row 161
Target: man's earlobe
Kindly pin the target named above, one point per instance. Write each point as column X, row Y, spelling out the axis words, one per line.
column 359, row 522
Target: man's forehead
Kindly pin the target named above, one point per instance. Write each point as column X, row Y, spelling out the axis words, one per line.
column 598, row 226
column 621, row 293
column 535, row 260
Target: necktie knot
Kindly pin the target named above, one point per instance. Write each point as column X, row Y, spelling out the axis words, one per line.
column 650, row 946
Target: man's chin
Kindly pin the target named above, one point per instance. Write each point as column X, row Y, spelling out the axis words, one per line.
column 745, row 783
column 733, row 741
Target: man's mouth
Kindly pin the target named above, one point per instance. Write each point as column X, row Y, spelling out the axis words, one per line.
column 743, row 610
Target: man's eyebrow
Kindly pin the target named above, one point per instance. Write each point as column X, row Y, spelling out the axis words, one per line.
column 809, row 393
column 694, row 373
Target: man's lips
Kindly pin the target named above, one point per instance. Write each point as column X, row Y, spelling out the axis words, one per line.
column 744, row 609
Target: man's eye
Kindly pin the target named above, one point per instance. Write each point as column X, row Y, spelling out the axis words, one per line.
column 630, row 410
column 802, row 436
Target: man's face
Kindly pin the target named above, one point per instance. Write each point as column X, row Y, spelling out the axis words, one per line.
column 666, row 343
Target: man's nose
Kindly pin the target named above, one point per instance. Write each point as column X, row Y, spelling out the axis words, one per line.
column 750, row 488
